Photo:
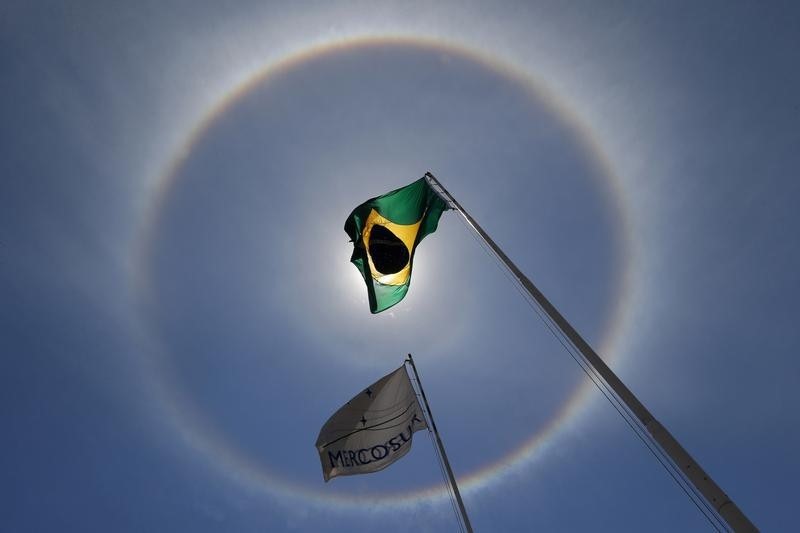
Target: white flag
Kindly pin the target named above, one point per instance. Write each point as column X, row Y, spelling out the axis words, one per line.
column 372, row 430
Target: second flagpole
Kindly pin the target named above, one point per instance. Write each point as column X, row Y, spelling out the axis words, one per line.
column 440, row 445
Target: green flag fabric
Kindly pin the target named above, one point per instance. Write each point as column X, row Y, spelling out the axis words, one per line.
column 385, row 232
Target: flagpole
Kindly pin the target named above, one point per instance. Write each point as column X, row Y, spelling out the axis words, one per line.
column 701, row 481
column 440, row 445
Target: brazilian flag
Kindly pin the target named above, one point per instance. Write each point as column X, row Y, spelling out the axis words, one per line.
column 385, row 231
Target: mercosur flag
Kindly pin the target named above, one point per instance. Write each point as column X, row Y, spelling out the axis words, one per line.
column 372, row 430
column 385, row 232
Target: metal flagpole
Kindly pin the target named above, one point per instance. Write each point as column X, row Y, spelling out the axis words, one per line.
column 439, row 444
column 712, row 493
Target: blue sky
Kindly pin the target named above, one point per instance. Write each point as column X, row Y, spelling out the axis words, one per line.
column 180, row 318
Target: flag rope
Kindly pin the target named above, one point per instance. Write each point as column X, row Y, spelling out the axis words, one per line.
column 450, row 495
